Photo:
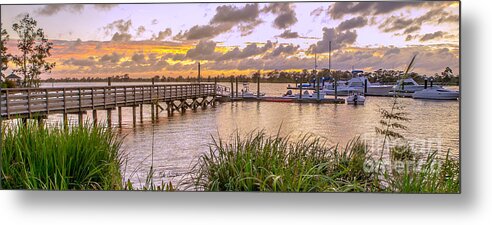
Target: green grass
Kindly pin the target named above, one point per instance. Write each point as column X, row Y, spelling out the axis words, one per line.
column 259, row 162
column 53, row 158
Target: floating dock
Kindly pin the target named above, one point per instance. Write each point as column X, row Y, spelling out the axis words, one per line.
column 287, row 100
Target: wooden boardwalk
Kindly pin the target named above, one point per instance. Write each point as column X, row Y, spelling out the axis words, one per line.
column 40, row 102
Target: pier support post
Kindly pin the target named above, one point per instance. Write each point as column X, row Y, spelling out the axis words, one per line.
column 81, row 118
column 134, row 117
column 152, row 111
column 157, row 111
column 119, row 117
column 232, row 89
column 65, row 120
column 94, row 117
column 108, row 114
column 141, row 113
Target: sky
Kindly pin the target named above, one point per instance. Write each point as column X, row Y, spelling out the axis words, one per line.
column 145, row 40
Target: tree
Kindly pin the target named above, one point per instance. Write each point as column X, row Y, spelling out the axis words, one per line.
column 4, row 57
column 34, row 48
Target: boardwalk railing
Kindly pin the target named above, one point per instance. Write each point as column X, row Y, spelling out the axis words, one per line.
column 28, row 102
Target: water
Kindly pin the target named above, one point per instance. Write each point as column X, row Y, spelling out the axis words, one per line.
column 179, row 140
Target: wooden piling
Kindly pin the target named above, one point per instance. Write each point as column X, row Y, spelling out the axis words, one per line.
column 134, row 117
column 141, row 113
column 81, row 118
column 94, row 116
column 152, row 111
column 237, row 84
column 119, row 117
column 108, row 114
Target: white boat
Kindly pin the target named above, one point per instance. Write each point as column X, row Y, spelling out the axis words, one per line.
column 357, row 84
column 436, row 93
column 246, row 93
column 355, row 99
column 407, row 87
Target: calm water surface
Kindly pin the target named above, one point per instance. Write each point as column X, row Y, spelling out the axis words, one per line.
column 180, row 139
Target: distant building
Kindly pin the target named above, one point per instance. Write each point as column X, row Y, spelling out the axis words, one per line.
column 13, row 78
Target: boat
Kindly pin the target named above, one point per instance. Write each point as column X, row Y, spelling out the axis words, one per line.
column 436, row 93
column 358, row 84
column 406, row 87
column 246, row 93
column 356, row 98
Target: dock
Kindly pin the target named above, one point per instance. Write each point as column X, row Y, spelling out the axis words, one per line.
column 37, row 103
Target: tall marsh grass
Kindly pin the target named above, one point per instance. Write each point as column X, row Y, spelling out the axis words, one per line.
column 257, row 162
column 38, row 156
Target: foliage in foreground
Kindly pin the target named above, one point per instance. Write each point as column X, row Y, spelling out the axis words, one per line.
column 76, row 158
column 264, row 163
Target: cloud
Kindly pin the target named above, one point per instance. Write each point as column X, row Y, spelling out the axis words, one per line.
column 123, row 37
column 198, row 32
column 105, row 7
column 52, row 9
column 49, row 10
column 140, row 30
column 204, row 50
column 138, row 58
column 317, row 12
column 338, row 40
column 340, row 9
column 121, row 26
column 286, row 16
column 233, row 14
column 355, row 22
column 250, row 50
column 162, row 34
column 111, row 58
column 154, row 22
column 284, row 49
column 430, row 36
column 89, row 62
column 287, row 34
column 411, row 25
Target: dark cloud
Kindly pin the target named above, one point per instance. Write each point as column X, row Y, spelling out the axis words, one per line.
column 226, row 18
column 355, row 22
column 233, row 14
column 340, row 9
column 317, row 12
column 284, row 49
column 430, row 36
column 123, row 37
column 112, row 58
column 198, row 32
column 434, row 16
column 338, row 40
column 394, row 23
column 105, row 7
column 286, row 16
column 411, row 29
column 248, row 51
column 121, row 26
column 140, row 30
column 52, row 9
column 89, row 62
column 204, row 50
column 138, row 58
column 162, row 34
column 289, row 34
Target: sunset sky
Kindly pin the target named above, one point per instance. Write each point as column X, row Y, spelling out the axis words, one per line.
column 145, row 40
